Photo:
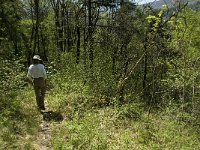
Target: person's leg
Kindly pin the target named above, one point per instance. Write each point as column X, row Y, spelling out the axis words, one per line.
column 42, row 93
column 37, row 94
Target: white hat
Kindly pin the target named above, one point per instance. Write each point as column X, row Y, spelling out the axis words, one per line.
column 37, row 57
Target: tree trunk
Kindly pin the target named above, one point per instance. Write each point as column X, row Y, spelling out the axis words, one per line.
column 78, row 45
column 145, row 71
column 36, row 38
column 90, row 33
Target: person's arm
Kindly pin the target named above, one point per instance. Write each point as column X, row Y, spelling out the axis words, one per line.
column 45, row 77
column 44, row 74
column 29, row 81
column 29, row 78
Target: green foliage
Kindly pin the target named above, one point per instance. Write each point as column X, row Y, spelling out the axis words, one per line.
column 11, row 81
column 16, row 120
column 136, row 85
column 182, row 77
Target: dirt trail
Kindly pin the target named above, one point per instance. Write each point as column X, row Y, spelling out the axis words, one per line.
column 44, row 137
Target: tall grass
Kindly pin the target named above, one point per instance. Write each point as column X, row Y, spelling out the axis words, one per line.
column 90, row 127
column 90, row 124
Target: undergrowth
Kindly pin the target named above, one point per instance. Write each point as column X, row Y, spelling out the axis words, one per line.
column 90, row 125
column 114, row 127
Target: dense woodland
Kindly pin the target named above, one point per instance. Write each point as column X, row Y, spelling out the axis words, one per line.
column 124, row 76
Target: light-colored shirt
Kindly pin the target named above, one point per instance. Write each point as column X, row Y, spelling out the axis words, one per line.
column 36, row 71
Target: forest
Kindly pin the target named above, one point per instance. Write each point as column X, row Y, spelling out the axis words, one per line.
column 120, row 76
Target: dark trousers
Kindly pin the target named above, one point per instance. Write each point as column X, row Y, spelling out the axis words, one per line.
column 40, row 89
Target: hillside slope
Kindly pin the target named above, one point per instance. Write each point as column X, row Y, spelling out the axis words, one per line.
column 194, row 4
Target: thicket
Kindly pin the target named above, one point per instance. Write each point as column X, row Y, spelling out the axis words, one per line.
column 105, row 59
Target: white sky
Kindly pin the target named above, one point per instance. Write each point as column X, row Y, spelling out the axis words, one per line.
column 144, row 1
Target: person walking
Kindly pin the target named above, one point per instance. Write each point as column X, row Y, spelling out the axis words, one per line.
column 37, row 77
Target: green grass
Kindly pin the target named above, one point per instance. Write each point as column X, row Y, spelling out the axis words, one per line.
column 19, row 122
column 103, row 129
column 88, row 127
